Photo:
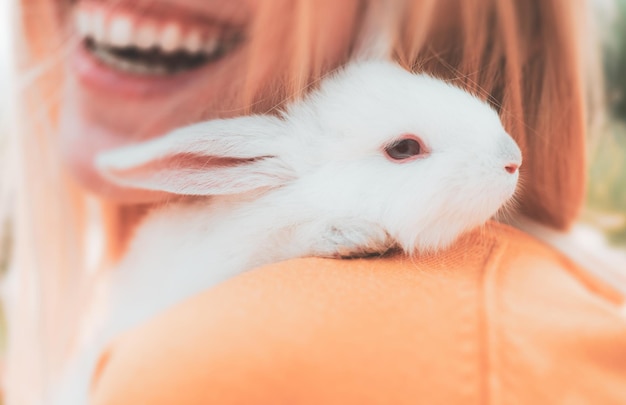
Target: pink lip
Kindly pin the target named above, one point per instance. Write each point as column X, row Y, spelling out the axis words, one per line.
column 97, row 76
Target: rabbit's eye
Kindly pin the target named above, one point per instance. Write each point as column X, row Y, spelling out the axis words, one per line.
column 404, row 149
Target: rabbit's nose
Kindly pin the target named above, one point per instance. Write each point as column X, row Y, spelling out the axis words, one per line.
column 510, row 153
column 511, row 167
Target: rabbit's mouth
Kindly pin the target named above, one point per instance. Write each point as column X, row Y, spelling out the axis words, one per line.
column 139, row 44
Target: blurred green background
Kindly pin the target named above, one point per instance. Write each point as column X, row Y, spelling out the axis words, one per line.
column 606, row 197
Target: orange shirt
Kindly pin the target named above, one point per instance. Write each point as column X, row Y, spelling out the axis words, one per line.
column 497, row 319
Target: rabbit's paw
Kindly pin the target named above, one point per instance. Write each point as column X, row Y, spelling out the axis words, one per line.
column 354, row 239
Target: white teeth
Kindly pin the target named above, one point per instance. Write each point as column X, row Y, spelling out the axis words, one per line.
column 146, row 36
column 116, row 28
column 193, row 41
column 111, row 60
column 120, row 32
column 98, row 25
column 171, row 38
column 210, row 45
column 83, row 23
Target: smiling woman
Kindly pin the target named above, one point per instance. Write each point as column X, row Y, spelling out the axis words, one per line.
column 80, row 103
column 102, row 74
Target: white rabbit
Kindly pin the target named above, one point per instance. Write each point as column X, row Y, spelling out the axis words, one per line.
column 376, row 158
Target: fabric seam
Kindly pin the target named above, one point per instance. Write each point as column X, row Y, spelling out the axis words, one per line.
column 489, row 294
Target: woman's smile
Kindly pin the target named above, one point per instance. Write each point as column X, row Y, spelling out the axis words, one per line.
column 151, row 43
column 141, row 68
column 123, row 47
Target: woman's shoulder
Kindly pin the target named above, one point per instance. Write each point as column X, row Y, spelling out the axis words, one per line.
column 499, row 317
column 495, row 255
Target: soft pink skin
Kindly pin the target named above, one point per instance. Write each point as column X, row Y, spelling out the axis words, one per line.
column 104, row 108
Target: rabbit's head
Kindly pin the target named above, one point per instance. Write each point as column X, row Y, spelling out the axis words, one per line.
column 418, row 156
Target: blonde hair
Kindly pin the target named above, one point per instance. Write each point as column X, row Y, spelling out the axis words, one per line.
column 523, row 56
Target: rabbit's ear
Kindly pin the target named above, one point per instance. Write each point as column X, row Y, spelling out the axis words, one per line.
column 211, row 158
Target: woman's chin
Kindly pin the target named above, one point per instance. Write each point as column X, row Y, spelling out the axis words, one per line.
column 81, row 142
column 94, row 184
column 87, row 176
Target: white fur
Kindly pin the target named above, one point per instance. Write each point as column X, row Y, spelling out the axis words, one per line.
column 313, row 182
